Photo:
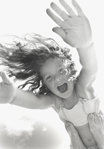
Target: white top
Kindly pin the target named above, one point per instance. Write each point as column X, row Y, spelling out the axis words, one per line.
column 78, row 114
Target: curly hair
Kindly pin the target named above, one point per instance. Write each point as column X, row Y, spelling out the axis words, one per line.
column 27, row 54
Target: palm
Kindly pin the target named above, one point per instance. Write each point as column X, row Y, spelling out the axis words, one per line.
column 74, row 29
column 77, row 31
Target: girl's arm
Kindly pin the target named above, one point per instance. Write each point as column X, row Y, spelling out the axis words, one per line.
column 88, row 72
column 10, row 94
column 75, row 30
column 28, row 100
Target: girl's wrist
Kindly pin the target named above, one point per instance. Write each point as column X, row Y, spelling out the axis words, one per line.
column 85, row 47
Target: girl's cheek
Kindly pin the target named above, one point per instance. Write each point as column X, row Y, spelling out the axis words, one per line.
column 51, row 86
column 48, row 84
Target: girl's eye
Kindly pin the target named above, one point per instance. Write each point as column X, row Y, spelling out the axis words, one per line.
column 63, row 70
column 48, row 78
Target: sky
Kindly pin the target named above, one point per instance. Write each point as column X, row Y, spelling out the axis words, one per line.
column 42, row 129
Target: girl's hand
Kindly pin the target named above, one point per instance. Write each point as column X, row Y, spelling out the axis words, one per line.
column 74, row 29
column 7, row 89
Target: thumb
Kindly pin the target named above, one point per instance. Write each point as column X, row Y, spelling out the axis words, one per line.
column 60, row 32
column 5, row 78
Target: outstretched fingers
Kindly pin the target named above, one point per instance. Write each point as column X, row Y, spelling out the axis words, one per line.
column 64, row 16
column 60, row 12
column 67, row 8
column 60, row 21
column 5, row 78
column 56, row 19
column 78, row 8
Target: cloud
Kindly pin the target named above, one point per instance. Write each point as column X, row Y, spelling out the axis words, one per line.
column 20, row 130
column 17, row 125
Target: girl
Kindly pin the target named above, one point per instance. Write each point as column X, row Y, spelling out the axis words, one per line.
column 49, row 72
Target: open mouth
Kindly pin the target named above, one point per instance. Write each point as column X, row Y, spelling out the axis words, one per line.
column 62, row 88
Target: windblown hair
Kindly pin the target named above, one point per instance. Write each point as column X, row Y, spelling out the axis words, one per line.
column 24, row 57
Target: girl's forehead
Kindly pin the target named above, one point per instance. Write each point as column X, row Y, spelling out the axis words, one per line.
column 50, row 65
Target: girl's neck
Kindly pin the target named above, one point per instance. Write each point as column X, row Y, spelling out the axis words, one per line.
column 71, row 101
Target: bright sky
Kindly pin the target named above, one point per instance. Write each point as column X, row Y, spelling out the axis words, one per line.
column 23, row 16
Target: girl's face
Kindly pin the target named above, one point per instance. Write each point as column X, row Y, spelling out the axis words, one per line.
column 57, row 78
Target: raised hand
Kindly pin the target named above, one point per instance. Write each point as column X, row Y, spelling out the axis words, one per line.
column 7, row 89
column 74, row 28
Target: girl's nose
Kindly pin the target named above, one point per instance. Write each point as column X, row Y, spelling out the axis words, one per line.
column 58, row 79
